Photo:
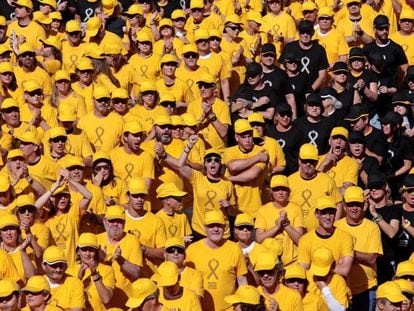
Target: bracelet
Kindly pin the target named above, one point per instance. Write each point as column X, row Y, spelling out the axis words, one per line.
column 406, row 224
column 377, row 219
column 163, row 155
column 97, row 279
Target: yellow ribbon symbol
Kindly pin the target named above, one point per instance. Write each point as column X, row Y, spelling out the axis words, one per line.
column 332, row 174
column 190, row 83
column 129, row 168
column 276, row 29
column 60, row 229
column 144, row 69
column 213, row 265
column 306, row 195
column 73, row 60
column 135, row 232
column 99, row 131
column 172, row 229
column 211, row 195
column 405, row 47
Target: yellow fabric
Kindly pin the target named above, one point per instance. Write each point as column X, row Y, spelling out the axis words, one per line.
column 287, row 298
column 312, row 302
column 345, row 171
column 69, row 294
column 7, row 268
column 146, row 68
column 117, row 190
column 18, row 131
column 73, row 102
column 305, row 193
column 147, row 117
column 282, row 24
column 71, row 55
column 32, row 32
column 367, row 237
column 190, row 78
column 187, row 302
column 127, row 76
column 407, row 43
column 220, row 268
column 191, row 27
column 345, row 26
column 334, row 43
column 179, row 89
column 48, row 113
column 176, row 225
column 16, row 256
column 266, row 219
column 192, row 280
column 42, row 235
column 177, row 46
column 39, row 74
column 249, row 41
column 86, row 93
column 46, row 169
column 215, row 65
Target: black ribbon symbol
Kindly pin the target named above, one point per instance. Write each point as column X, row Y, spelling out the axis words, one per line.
column 213, row 264
column 144, row 69
column 129, row 168
column 306, row 195
column 172, row 229
column 60, row 228
column 211, row 195
column 99, row 131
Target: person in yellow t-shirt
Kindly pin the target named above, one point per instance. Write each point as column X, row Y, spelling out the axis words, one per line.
column 362, row 278
column 212, row 113
column 246, row 163
column 122, row 251
column 146, row 226
column 277, row 295
column 37, row 295
column 337, row 163
column 295, row 278
column 196, row 20
column 389, row 296
column 95, row 124
column 339, row 242
column 172, row 295
column 98, row 278
column 281, row 220
column 85, row 85
column 168, row 42
column 222, row 263
column 7, row 268
column 189, row 277
column 404, row 36
column 67, row 292
column 10, row 295
column 73, row 46
column 175, row 222
column 144, row 296
column 307, row 185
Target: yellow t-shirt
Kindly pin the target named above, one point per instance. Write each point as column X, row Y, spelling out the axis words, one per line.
column 71, row 55
column 334, row 43
column 42, row 235
column 47, row 112
column 345, row 171
column 190, row 77
column 73, row 102
column 288, row 299
column 305, row 193
column 7, row 268
column 338, row 287
column 102, row 137
column 215, row 65
column 367, row 237
column 192, row 280
column 407, row 43
column 126, row 76
column 146, row 68
column 116, row 189
column 275, row 151
column 32, row 32
column 312, row 302
column 147, row 116
column 176, row 225
column 179, row 89
column 345, row 26
column 177, row 46
column 266, row 219
column 282, row 24
column 16, row 256
column 86, row 93
column 191, row 27
column 187, row 302
column 220, row 268
column 46, row 169
column 69, row 294
column 39, row 74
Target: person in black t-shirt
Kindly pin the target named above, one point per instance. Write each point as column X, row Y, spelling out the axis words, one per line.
column 84, row 8
column 339, row 82
column 312, row 55
column 332, row 106
column 275, row 77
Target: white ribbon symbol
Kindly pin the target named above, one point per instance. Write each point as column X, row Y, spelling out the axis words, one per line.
column 88, row 13
column 313, row 135
column 182, row 4
column 269, row 83
column 305, row 63
column 391, row 153
column 281, row 142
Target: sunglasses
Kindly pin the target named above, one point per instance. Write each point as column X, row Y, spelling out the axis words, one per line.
column 146, row 93
column 7, row 298
column 285, row 114
column 145, row 42
column 74, row 34
column 215, row 39
column 137, row 195
column 102, row 167
column 168, row 104
column 213, row 159
column 407, row 277
column 10, row 110
column 309, row 161
column 27, row 209
column 268, row 55
column 202, row 85
column 352, row 3
column 75, row 167
column 103, row 100
column 7, row 73
column 295, row 280
column 245, row 227
column 324, row 18
column 308, row 12
column 171, row 64
column 273, row 2
column 191, row 55
column 120, row 101
column 174, row 249
column 355, row 204
column 35, row 93
column 265, row 272
column 409, row 190
column 291, row 61
column 33, row 293
column 181, row 19
column 385, row 28
column 27, row 54
column 59, row 139
column 328, row 211
column 57, row 265
column 86, row 72
column 197, row 10
column 306, row 32
column 406, row 20
column 202, row 41
column 253, row 75
column 234, row 28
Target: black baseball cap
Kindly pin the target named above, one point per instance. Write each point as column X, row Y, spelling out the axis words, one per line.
column 356, row 137
column 356, row 53
column 392, row 117
column 305, row 26
column 268, row 48
column 254, row 69
column 356, row 111
column 381, row 21
column 340, row 67
column 376, row 180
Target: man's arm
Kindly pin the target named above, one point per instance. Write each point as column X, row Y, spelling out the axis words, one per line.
column 344, row 265
column 239, row 165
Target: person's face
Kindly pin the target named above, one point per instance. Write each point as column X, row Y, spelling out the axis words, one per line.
column 166, row 31
column 168, row 69
column 75, row 37
column 190, row 59
column 325, row 22
column 275, row 6
column 175, row 254
column 46, row 51
column 134, row 19
column 313, row 110
column 254, row 79
column 9, row 235
column 214, row 232
column 163, row 133
column 307, row 167
column 212, row 165
column 310, row 15
column 9, row 303
column 206, row 90
column 21, row 11
column 3, row 30
column 27, row 213
column 268, row 278
column 62, row 201
column 6, row 77
column 326, row 218
column 245, row 141
column 55, row 24
column 120, row 105
column 305, row 36
column 136, row 201
column 34, row 97
column 341, row 77
column 104, row 168
column 87, row 254
column 357, row 149
column 232, row 29
column 113, row 60
column 357, row 63
column 409, row 196
column 406, row 25
column 197, row 14
column 353, row 8
column 27, row 59
column 134, row 140
column 45, row 8
column 253, row 25
column 406, row 304
column 63, row 86
column 377, row 193
column 85, row 76
column 382, row 32
column 400, row 109
column 114, row 228
column 179, row 23
column 296, row 284
column 244, row 233
column 338, row 144
column 55, row 271
column 169, row 107
column 203, row 45
column 145, row 47
column 284, row 118
column 36, row 300
column 176, row 203
column 354, row 211
column 267, row 59
column 102, row 105
column 16, row 163
column 177, row 131
column 360, row 124
column 280, row 195
column 6, row 57
column 386, row 128
column 58, row 144
column 28, row 148
column 5, row 197
column 389, row 306
column 149, row 97
column 291, row 66
column 76, row 173
column 214, row 43
column 11, row 116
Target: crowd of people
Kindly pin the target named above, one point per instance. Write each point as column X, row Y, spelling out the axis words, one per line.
column 206, row 155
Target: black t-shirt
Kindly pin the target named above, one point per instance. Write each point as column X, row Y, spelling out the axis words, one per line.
column 311, row 61
column 278, row 80
column 405, row 240
column 370, row 165
column 86, row 9
column 376, row 142
column 383, row 104
column 115, row 25
column 337, row 117
column 397, row 151
column 368, row 77
column 346, row 97
column 316, row 133
column 392, row 53
column 301, row 86
column 290, row 142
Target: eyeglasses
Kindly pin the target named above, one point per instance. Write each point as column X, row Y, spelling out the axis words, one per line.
column 145, row 42
column 103, row 100
column 295, row 280
column 291, row 61
column 27, row 209
column 262, row 273
column 173, row 249
column 213, row 159
column 7, row 228
column 33, row 293
column 306, row 32
column 137, row 195
column 27, row 54
column 245, row 227
column 354, row 204
column 102, row 167
column 35, row 93
column 59, row 139
column 181, row 19
column 273, row 2
column 407, row 277
column 376, row 187
column 191, row 55
column 252, row 75
column 165, row 126
column 279, row 188
column 409, row 191
column 168, row 104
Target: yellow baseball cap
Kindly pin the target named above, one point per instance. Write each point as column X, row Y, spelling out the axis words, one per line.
column 346, row 2
column 141, row 289
column 325, row 11
column 406, row 14
column 295, row 271
column 201, row 34
column 88, row 240
column 36, row 284
column 15, row 153
column 189, row 48
column 101, row 92
column 340, row 131
column 168, row 58
column 177, row 120
column 167, row 274
column 67, row 116
column 73, row 26
column 137, row 185
column 4, row 182
column 148, row 85
column 31, row 85
column 175, row 241
column 115, row 212
column 178, row 14
column 325, row 202
column 41, row 18
column 25, row 3
column 84, row 64
column 244, row 219
column 135, row 9
column 120, row 93
column 169, row 189
column 62, row 75
column 274, row 246
column 52, row 3
column 92, row 50
column 266, row 260
column 8, row 287
column 255, row 117
column 309, row 6
column 162, row 120
column 25, row 200
column 165, row 22
column 321, row 262
column 354, row 194
column 215, row 33
column 405, row 286
column 30, row 137
column 9, row 220
column 279, row 181
column 196, row 4
column 244, row 294
column 167, row 97
column 390, row 291
column 53, row 254
column 242, row 126
column 109, row 6
column 112, row 48
column 189, row 119
column 55, row 15
column 214, row 217
column 308, row 152
column 3, row 21
column 57, row 131
column 405, row 268
column 92, row 26
column 101, row 155
column 52, row 41
column 72, row 160
column 144, row 36
column 5, row 48
column 133, row 127
column 212, row 152
column 6, row 67
column 233, row 18
column 207, row 78
column 254, row 16
column 9, row 103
